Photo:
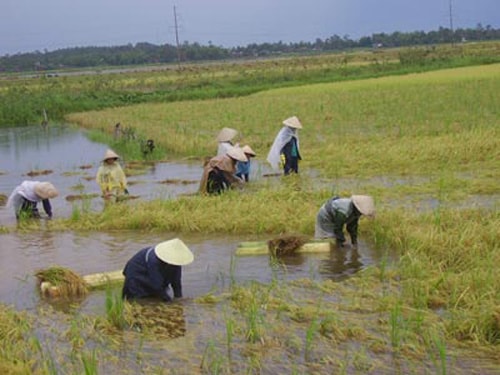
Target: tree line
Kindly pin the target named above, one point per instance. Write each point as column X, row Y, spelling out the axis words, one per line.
column 147, row 53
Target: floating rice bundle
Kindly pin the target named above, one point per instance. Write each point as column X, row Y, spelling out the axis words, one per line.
column 75, row 197
column 126, row 197
column 39, row 172
column 286, row 244
column 61, row 282
column 177, row 182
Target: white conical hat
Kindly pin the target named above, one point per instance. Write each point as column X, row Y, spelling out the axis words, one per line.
column 237, row 154
column 174, row 252
column 226, row 134
column 364, row 203
column 248, row 150
column 293, row 122
column 45, row 190
column 110, row 154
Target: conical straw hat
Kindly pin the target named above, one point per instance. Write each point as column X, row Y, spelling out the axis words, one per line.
column 364, row 203
column 174, row 252
column 237, row 154
column 226, row 134
column 46, row 190
column 248, row 150
column 293, row 122
column 110, row 154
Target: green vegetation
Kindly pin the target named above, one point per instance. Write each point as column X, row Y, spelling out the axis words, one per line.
column 147, row 53
column 23, row 99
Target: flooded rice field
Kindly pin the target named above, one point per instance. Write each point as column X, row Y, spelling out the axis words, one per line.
column 73, row 161
column 245, row 334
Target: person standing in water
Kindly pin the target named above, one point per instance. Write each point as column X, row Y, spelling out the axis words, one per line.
column 111, row 178
column 286, row 146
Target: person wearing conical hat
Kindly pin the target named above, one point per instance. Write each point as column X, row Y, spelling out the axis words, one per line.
column 243, row 167
column 25, row 197
column 154, row 270
column 285, row 148
column 111, row 178
column 225, row 138
column 219, row 172
column 339, row 212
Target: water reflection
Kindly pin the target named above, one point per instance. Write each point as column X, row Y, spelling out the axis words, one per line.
column 72, row 160
column 215, row 266
column 342, row 263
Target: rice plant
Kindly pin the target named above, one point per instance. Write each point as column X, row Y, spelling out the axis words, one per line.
column 115, row 309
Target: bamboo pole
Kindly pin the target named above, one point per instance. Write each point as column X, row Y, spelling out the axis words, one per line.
column 262, row 248
column 97, row 280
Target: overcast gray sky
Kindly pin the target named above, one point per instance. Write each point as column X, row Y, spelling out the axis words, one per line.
column 30, row 25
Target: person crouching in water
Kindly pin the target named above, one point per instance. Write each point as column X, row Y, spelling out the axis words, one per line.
column 339, row 212
column 25, row 197
column 219, row 172
column 111, row 178
column 152, row 271
column 243, row 167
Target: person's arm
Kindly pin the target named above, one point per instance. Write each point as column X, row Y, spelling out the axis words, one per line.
column 338, row 224
column 122, row 179
column 352, row 228
column 176, row 282
column 47, row 207
column 231, row 180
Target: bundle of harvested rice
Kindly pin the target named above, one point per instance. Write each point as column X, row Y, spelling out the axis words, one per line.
column 286, row 244
column 61, row 282
column 159, row 319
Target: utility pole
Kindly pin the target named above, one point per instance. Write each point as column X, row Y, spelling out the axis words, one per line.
column 451, row 23
column 177, row 38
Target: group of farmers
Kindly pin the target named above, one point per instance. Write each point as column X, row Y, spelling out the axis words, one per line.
column 154, row 270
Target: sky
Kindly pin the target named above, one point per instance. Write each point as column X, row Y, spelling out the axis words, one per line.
column 48, row 25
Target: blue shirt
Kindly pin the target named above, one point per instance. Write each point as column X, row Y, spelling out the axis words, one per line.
column 148, row 276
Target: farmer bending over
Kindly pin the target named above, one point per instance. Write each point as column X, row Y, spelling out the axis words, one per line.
column 26, row 196
column 151, row 271
column 339, row 212
column 219, row 172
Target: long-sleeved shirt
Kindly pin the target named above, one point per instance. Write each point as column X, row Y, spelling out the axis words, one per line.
column 148, row 276
column 333, row 215
column 24, row 198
